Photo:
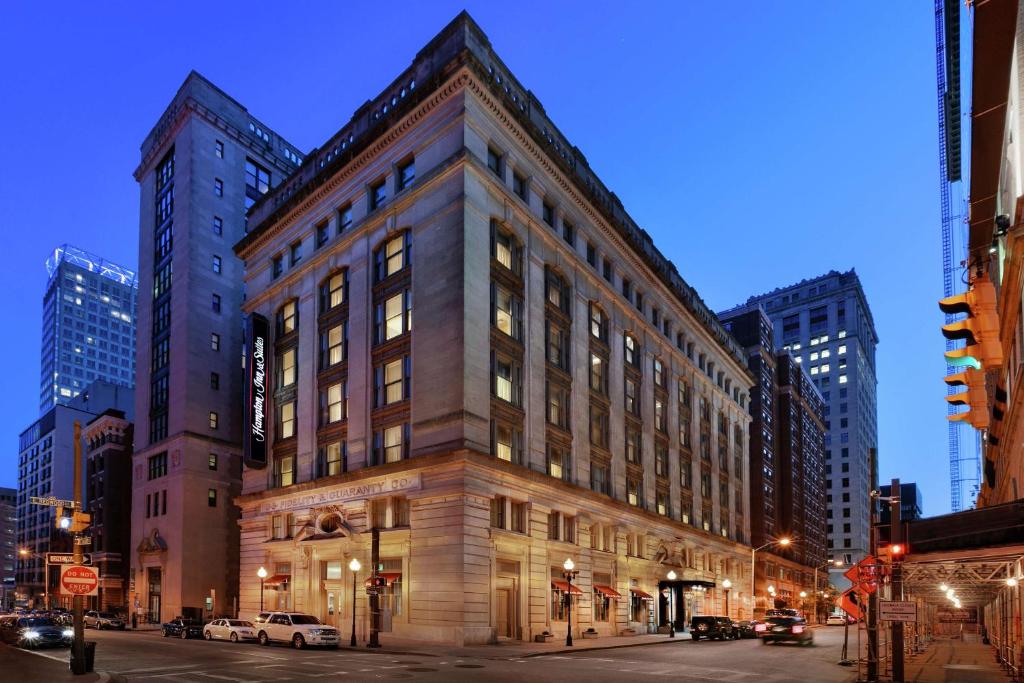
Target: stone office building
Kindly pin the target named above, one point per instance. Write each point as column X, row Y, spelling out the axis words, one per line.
column 473, row 349
column 203, row 164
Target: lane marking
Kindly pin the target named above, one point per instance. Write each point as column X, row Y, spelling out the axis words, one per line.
column 55, row 658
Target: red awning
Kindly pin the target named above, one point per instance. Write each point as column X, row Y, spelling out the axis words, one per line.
column 564, row 586
column 390, row 577
column 637, row 593
column 277, row 579
column 606, row 591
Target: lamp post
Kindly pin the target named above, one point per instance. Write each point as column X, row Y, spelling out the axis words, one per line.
column 262, row 573
column 727, row 584
column 354, row 566
column 25, row 553
column 817, row 592
column 569, row 573
column 784, row 541
column 671, row 605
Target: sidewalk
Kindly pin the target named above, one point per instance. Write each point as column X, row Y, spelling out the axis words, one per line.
column 515, row 649
column 949, row 660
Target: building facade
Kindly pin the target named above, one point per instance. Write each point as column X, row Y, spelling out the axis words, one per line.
column 8, row 546
column 826, row 324
column 46, row 468
column 787, row 468
column 204, row 163
column 562, row 395
column 108, row 497
column 88, row 325
column 911, row 503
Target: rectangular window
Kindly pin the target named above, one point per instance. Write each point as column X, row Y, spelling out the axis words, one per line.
column 507, row 313
column 554, row 526
column 286, row 369
column 215, row 303
column 392, row 256
column 322, row 234
column 558, row 405
column 214, row 381
column 211, row 498
column 558, row 462
column 331, row 460
column 218, row 225
column 633, row 493
column 389, row 382
column 286, row 420
column 334, row 402
column 507, row 443
column 378, row 194
column 519, row 186
column 599, row 374
column 568, row 233
column 600, row 478
column 344, row 218
column 632, row 444
column 284, row 471
column 217, row 264
column 632, row 397
column 607, row 270
column 495, row 162
column 332, row 345
column 660, row 460
column 406, row 174
column 287, row 318
column 598, row 427
column 295, row 253
column 503, row 249
column 218, row 187
column 215, row 341
column 394, row 317
column 498, row 512
column 518, row 521
column 157, row 466
column 212, row 462
column 218, row 149
column 214, row 420
column 548, row 214
column 393, row 439
column 277, row 266
column 592, row 255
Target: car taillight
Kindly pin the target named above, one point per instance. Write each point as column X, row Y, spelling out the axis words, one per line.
column 760, row 627
column 798, row 629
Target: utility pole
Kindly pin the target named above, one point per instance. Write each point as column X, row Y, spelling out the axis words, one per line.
column 375, row 594
column 872, row 617
column 895, row 538
column 78, row 664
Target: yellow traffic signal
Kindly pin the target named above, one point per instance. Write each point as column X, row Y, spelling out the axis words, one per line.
column 80, row 521
column 980, row 329
column 974, row 398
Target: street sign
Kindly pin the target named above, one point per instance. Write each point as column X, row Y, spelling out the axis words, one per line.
column 79, row 580
column 897, row 610
column 372, row 590
column 66, row 558
column 54, row 502
column 83, row 540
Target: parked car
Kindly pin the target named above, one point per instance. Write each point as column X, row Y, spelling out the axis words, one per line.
column 102, row 620
column 229, row 629
column 296, row 628
column 835, row 620
column 788, row 612
column 183, row 628
column 32, row 632
column 747, row 629
column 788, row 630
column 717, row 628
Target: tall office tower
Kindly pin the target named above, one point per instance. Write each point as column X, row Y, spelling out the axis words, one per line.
column 826, row 323
column 108, row 498
column 911, row 502
column 203, row 165
column 88, row 325
column 46, row 467
column 787, row 466
column 590, row 408
column 8, row 546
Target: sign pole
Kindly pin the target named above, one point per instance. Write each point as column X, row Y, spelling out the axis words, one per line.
column 78, row 645
column 896, row 536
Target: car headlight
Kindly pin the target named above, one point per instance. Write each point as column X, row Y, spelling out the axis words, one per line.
column 31, row 635
column 69, row 633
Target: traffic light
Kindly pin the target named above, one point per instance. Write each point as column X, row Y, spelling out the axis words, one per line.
column 974, row 398
column 894, row 552
column 980, row 329
column 80, row 521
column 61, row 521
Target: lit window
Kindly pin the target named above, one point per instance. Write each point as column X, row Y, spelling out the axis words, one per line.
column 288, row 368
column 504, row 315
column 841, row 349
column 213, row 420
column 378, row 195
column 406, row 174
column 335, row 403
column 393, row 317
column 336, row 290
column 217, row 264
column 825, row 353
column 796, row 347
column 218, row 149
column 824, row 367
column 503, row 249
column 503, row 442
column 814, row 370
column 215, row 341
column 842, row 379
column 287, row 318
column 814, row 356
column 335, row 345
column 842, row 334
column 799, row 359
column 503, row 380
column 393, row 376
column 394, row 256
column 287, row 420
column 393, row 443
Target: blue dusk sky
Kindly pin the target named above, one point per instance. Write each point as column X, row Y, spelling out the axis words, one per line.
column 759, row 143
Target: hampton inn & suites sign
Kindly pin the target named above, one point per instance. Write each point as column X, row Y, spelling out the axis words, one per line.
column 380, row 486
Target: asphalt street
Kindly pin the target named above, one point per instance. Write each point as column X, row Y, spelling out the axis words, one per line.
column 149, row 657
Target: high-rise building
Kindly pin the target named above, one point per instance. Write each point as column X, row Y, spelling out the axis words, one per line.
column 108, row 498
column 911, row 502
column 826, row 324
column 8, row 546
column 787, row 466
column 46, row 468
column 203, row 164
column 88, row 325
column 588, row 415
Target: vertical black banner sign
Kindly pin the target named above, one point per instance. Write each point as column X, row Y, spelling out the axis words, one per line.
column 257, row 347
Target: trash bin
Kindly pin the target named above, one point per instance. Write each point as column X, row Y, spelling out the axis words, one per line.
column 90, row 654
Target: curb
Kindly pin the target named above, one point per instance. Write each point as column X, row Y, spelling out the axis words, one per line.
column 667, row 641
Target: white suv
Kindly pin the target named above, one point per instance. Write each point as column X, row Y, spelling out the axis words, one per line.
column 294, row 627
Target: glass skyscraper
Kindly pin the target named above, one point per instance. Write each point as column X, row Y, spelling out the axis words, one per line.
column 88, row 325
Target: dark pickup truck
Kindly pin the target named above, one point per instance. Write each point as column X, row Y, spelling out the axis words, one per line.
column 183, row 628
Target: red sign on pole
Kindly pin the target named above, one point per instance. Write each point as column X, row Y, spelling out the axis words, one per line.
column 79, row 580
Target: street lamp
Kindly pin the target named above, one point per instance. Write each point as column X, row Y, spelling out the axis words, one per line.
column 262, row 573
column 830, row 563
column 569, row 573
column 671, row 605
column 25, row 553
column 727, row 584
column 784, row 541
column 354, row 566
